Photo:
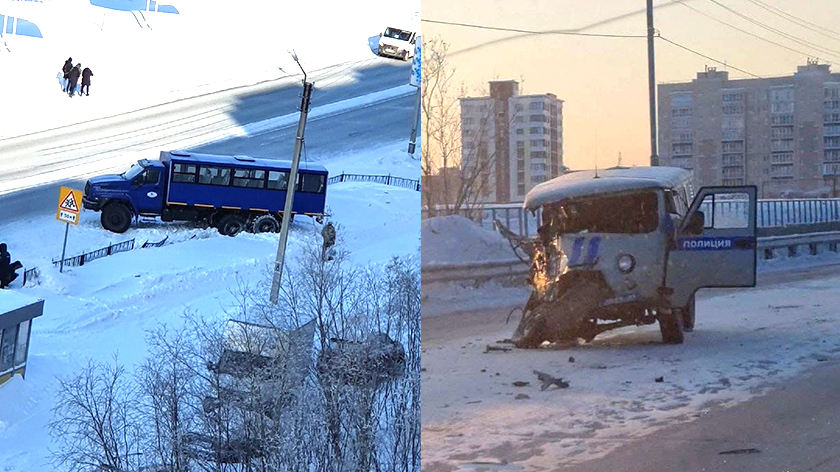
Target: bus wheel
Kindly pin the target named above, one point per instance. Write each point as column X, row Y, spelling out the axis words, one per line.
column 231, row 225
column 266, row 224
column 116, row 217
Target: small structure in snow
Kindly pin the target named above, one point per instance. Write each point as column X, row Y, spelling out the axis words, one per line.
column 16, row 314
column 367, row 363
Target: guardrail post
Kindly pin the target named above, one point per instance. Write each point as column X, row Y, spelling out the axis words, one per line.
column 768, row 254
column 832, row 247
column 792, row 250
column 813, row 248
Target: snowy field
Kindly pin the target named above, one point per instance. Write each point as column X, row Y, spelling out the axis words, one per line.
column 746, row 342
column 105, row 307
column 142, row 58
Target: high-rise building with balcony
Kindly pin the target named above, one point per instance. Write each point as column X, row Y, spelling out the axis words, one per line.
column 512, row 141
column 781, row 134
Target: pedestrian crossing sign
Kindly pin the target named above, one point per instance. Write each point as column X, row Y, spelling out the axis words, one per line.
column 69, row 205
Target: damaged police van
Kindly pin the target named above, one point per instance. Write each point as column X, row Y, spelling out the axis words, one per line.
column 631, row 246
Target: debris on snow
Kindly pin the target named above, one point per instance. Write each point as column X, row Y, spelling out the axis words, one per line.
column 548, row 380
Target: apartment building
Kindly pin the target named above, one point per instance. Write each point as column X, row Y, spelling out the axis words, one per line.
column 781, row 134
column 512, row 141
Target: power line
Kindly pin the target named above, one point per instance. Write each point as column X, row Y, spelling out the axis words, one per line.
column 799, row 21
column 707, row 57
column 548, row 32
column 777, row 31
column 747, row 32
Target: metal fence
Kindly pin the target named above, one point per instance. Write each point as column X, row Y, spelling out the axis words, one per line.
column 770, row 213
column 82, row 259
column 389, row 179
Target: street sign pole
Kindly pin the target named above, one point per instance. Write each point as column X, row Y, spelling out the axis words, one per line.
column 64, row 247
column 412, row 143
column 290, row 188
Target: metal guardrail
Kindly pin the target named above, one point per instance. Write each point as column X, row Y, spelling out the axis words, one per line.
column 389, row 179
column 518, row 271
column 771, row 214
column 82, row 259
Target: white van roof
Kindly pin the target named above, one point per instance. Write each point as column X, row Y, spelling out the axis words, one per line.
column 616, row 179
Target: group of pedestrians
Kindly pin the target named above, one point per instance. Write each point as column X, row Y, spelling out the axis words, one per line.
column 72, row 74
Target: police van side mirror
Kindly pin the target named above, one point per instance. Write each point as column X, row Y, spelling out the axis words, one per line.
column 696, row 222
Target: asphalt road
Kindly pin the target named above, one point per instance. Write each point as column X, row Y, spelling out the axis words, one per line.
column 793, row 428
column 116, row 139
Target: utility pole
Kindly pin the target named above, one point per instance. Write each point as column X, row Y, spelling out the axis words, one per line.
column 414, row 79
column 290, row 186
column 654, row 156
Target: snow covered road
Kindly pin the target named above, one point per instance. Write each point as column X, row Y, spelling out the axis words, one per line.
column 474, row 418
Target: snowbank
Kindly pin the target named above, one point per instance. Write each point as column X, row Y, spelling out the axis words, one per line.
column 454, row 240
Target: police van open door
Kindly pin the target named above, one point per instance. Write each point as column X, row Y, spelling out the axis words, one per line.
column 716, row 243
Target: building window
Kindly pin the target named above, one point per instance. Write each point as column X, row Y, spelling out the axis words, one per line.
column 832, row 130
column 537, row 167
column 733, row 108
column 781, row 158
column 520, row 188
column 681, row 122
column 831, row 142
column 538, row 119
column 517, row 107
column 781, row 144
column 733, row 159
column 520, row 119
column 682, row 138
column 678, row 149
column 680, row 99
column 536, row 130
column 781, row 171
column 781, row 119
column 832, row 155
column 537, row 142
column 536, row 106
column 536, row 179
column 783, row 132
column 538, row 155
column 520, row 130
column 733, row 97
column 469, row 121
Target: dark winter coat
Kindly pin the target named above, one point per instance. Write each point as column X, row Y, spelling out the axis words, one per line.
column 74, row 74
column 5, row 260
column 86, row 75
column 68, row 66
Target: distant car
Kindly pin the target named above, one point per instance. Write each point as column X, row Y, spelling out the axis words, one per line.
column 397, row 42
column 230, row 193
column 629, row 246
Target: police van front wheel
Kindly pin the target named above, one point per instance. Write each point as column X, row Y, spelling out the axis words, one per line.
column 116, row 217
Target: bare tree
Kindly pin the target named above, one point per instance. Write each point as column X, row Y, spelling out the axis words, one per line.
column 95, row 420
column 457, row 165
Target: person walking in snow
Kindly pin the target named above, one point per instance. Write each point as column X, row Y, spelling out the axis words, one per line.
column 68, row 66
column 86, row 75
column 73, row 77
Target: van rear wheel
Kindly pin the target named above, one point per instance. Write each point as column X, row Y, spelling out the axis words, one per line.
column 116, row 217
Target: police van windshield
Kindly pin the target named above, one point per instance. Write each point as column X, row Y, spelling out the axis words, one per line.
column 624, row 214
column 397, row 34
column 135, row 170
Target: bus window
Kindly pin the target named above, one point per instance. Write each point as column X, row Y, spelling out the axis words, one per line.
column 249, row 178
column 214, row 175
column 278, row 180
column 184, row 173
column 312, row 183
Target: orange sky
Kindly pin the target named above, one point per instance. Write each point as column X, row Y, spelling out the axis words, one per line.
column 604, row 80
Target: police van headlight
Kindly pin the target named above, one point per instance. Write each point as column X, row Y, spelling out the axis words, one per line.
column 626, row 263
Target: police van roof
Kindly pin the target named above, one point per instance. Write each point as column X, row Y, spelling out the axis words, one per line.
column 239, row 161
column 616, row 179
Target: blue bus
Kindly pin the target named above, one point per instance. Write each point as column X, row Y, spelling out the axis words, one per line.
column 230, row 193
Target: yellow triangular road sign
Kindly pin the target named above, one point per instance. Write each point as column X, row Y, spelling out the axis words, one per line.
column 69, row 202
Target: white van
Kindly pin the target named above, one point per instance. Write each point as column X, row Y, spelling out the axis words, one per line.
column 397, row 42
